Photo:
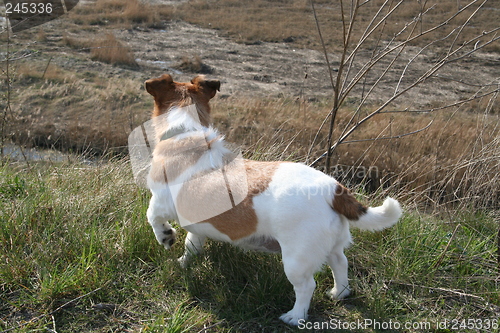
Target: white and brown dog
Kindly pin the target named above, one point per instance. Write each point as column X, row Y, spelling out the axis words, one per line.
column 270, row 206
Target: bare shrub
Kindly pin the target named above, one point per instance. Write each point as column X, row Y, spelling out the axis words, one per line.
column 439, row 32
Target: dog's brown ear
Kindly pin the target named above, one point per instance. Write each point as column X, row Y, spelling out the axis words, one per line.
column 209, row 86
column 212, row 84
column 156, row 86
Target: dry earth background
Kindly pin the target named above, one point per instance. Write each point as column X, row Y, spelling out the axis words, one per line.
column 275, row 91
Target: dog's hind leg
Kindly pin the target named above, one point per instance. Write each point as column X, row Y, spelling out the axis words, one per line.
column 193, row 246
column 300, row 274
column 338, row 263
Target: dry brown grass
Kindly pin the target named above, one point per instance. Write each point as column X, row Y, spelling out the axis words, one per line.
column 456, row 159
column 66, row 111
column 112, row 51
column 41, row 36
column 292, row 20
column 75, row 42
column 107, row 49
column 120, row 13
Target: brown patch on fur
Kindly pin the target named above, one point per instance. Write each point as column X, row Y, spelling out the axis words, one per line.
column 239, row 221
column 346, row 204
column 168, row 93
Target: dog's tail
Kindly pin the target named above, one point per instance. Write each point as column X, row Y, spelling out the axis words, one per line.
column 365, row 218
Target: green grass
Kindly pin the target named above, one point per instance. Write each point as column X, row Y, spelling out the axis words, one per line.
column 77, row 255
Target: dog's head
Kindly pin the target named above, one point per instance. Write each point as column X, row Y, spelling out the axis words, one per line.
column 167, row 93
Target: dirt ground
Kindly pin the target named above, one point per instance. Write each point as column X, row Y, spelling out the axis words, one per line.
column 265, row 69
column 279, row 69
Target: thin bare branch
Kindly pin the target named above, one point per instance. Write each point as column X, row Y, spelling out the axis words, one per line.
column 465, row 24
column 392, row 137
column 338, row 87
column 369, row 65
column 350, row 59
column 429, row 73
column 325, row 53
column 365, row 35
column 316, row 161
column 343, row 87
column 466, row 83
column 475, row 97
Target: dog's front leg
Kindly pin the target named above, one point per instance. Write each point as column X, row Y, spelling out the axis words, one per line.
column 165, row 234
column 193, row 246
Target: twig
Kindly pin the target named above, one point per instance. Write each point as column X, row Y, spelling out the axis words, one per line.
column 446, row 106
column 393, row 136
column 463, row 25
column 53, row 329
column 46, row 67
column 337, row 102
column 429, row 73
column 450, row 291
column 336, row 87
column 446, row 59
column 322, row 44
column 374, row 139
column 343, row 89
column 52, row 312
column 330, row 74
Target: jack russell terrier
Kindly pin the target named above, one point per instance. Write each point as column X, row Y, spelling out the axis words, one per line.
column 213, row 192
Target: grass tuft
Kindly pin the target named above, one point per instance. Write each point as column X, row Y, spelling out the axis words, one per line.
column 112, row 51
column 194, row 65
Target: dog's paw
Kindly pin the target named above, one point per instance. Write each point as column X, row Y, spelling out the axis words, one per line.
column 166, row 237
column 291, row 318
column 184, row 261
column 340, row 293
